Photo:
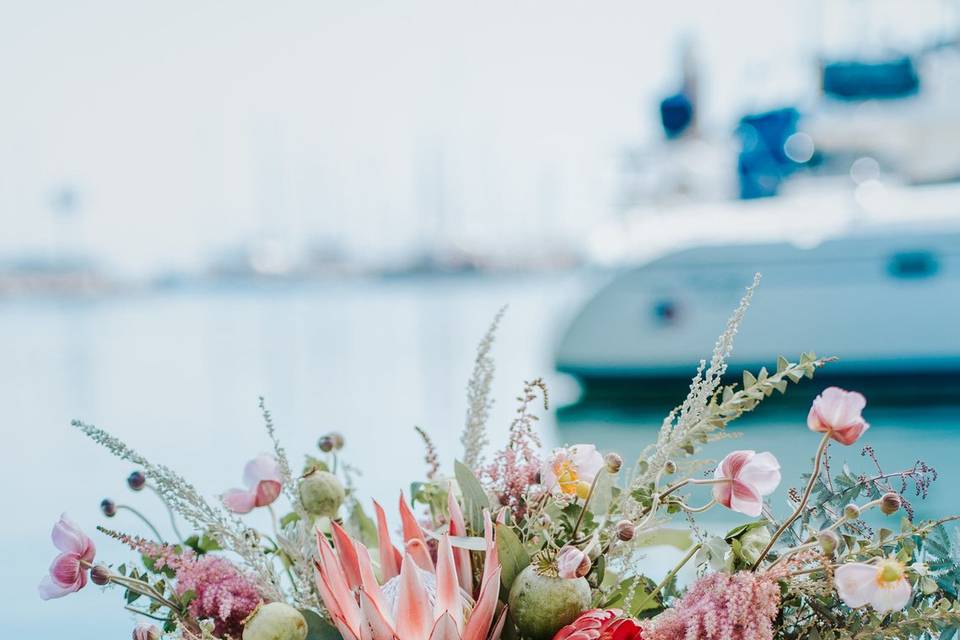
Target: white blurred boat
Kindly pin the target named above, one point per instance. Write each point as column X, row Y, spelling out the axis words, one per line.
column 879, row 287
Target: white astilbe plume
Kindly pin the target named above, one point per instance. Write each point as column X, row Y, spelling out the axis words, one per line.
column 685, row 424
column 474, row 437
column 297, row 540
column 183, row 498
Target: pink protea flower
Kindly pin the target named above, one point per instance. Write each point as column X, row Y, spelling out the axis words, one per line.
column 884, row 586
column 721, row 606
column 262, row 477
column 837, row 412
column 422, row 602
column 601, row 624
column 68, row 573
column 745, row 477
column 571, row 470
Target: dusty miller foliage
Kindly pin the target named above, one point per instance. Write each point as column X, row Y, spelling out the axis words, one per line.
column 479, row 400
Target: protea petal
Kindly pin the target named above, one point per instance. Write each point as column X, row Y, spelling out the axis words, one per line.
column 498, row 625
column 414, row 614
column 448, row 588
column 479, row 623
column 445, row 629
column 369, row 583
column 347, row 554
column 411, row 528
column 336, row 584
column 390, row 558
column 376, row 617
column 491, row 560
column 458, row 527
column 421, row 554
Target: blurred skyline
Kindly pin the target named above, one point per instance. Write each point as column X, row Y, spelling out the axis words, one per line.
column 171, row 133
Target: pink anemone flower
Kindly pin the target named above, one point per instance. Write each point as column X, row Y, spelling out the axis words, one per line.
column 418, row 599
column 837, row 412
column 884, row 586
column 68, row 573
column 744, row 478
column 571, row 470
column 262, row 477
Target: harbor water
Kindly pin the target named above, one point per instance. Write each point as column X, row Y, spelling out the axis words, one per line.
column 177, row 375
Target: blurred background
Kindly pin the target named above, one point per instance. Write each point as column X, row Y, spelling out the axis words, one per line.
column 327, row 203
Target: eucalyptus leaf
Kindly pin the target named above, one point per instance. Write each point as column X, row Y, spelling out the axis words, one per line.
column 678, row 538
column 513, row 556
column 318, row 628
column 475, row 499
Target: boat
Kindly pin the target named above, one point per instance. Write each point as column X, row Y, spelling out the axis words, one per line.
column 878, row 287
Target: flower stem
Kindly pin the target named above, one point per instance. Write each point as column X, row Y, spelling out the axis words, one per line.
column 669, row 577
column 144, row 519
column 173, row 520
column 824, row 442
column 586, row 501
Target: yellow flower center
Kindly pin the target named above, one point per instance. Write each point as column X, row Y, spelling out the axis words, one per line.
column 890, row 571
column 567, row 477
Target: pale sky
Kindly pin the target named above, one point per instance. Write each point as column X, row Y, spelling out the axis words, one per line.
column 189, row 126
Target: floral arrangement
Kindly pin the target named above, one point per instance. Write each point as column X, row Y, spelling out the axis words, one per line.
column 543, row 545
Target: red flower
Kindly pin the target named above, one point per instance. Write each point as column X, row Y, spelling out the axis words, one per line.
column 601, row 624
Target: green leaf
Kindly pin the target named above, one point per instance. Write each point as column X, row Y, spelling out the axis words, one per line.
column 289, row 519
column 513, row 556
column 475, row 499
column 678, row 538
column 602, row 494
column 318, row 628
column 472, row 543
column 361, row 527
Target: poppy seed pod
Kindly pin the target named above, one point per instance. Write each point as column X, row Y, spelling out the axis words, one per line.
column 625, row 530
column 890, row 503
column 108, row 507
column 275, row 621
column 137, row 480
column 321, row 493
column 100, row 575
column 614, row 462
column 829, row 541
column 325, row 444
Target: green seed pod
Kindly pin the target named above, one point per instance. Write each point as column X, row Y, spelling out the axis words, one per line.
column 275, row 621
column 541, row 605
column 321, row 494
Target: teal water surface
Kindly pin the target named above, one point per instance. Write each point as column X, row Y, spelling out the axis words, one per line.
column 177, row 374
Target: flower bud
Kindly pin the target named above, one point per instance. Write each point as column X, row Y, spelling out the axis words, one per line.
column 108, row 507
column 829, row 541
column 670, row 467
column 275, row 621
column 890, row 503
column 572, row 563
column 321, row 493
column 613, row 462
column 851, row 512
column 100, row 575
column 137, row 480
column 146, row 631
column 337, row 440
column 625, row 530
column 325, row 444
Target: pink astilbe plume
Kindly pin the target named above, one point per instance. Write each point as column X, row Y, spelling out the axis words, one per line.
column 722, row 606
column 517, row 467
column 223, row 593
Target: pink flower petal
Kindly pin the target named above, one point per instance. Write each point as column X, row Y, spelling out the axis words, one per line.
column 458, row 527
column 262, row 468
column 48, row 589
column 855, row 583
column 745, row 500
column 723, row 493
column 239, row 500
column 66, row 570
column 390, row 557
column 761, row 472
column 414, row 613
column 445, row 629
column 891, row 596
column 68, row 538
column 732, row 464
column 587, row 460
column 448, row 588
column 267, row 491
column 347, row 553
column 376, row 617
column 838, row 412
column 851, row 433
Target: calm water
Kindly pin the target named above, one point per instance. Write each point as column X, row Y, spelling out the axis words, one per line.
column 177, row 375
